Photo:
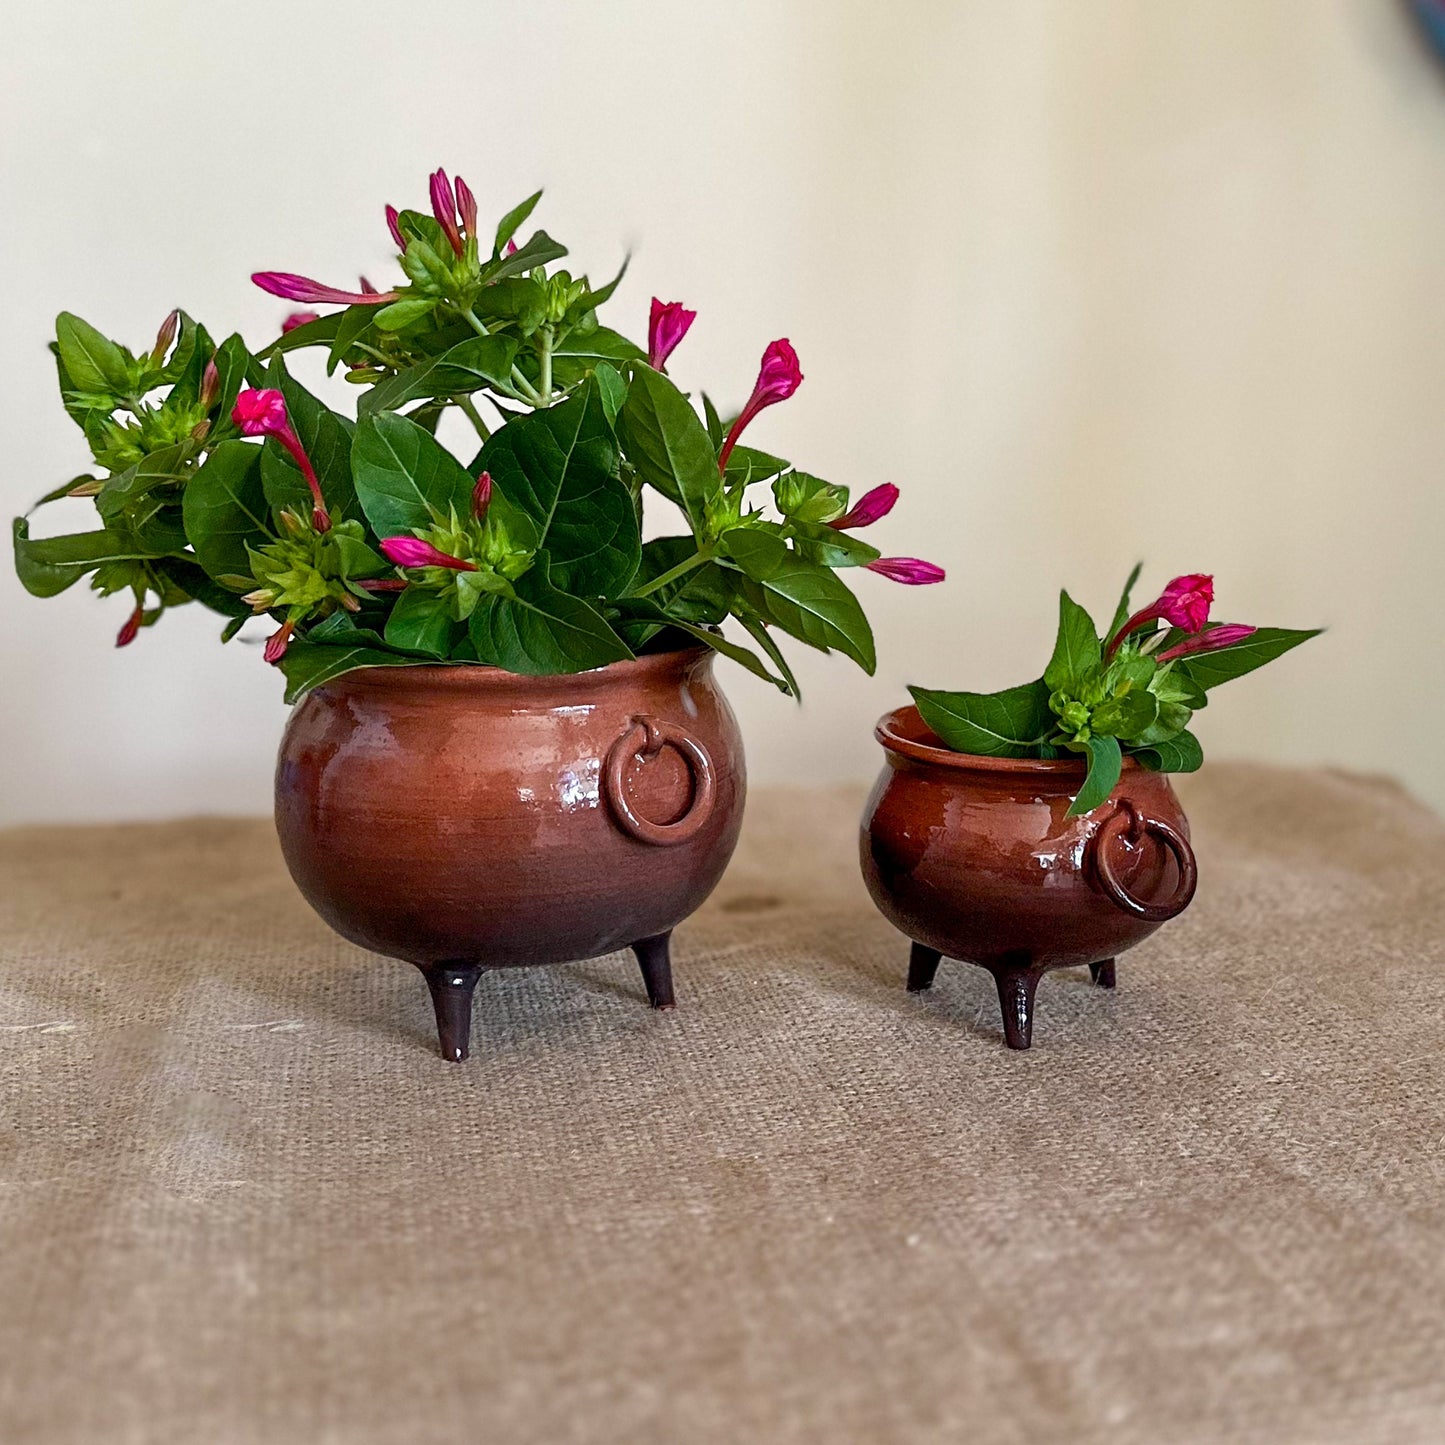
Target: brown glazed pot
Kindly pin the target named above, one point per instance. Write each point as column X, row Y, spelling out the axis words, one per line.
column 973, row 858
column 464, row 818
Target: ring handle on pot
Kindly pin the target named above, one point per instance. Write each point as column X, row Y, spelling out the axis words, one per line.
column 645, row 739
column 1128, row 819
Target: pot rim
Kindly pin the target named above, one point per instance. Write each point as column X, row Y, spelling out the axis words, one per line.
column 904, row 733
column 472, row 675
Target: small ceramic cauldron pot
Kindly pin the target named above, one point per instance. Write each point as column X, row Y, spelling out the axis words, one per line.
column 973, row 858
column 465, row 818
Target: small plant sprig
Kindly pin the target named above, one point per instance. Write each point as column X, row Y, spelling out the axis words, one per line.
column 220, row 479
column 1131, row 692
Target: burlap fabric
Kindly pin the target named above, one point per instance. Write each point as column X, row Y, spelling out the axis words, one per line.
column 243, row 1200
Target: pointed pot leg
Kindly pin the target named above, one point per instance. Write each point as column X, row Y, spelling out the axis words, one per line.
column 451, row 986
column 922, row 965
column 1016, row 985
column 654, row 955
column 1102, row 972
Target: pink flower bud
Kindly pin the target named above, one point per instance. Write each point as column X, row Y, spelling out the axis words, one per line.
column 869, row 508
column 667, row 326
column 778, row 378
column 511, row 248
column 1184, row 604
column 911, row 571
column 466, row 207
column 210, row 385
column 128, row 631
column 367, row 289
column 482, row 496
column 380, row 584
column 1225, row 635
column 262, row 412
column 393, row 224
column 301, row 288
column 277, row 643
column 413, row 552
column 299, row 318
column 165, row 336
column 444, row 208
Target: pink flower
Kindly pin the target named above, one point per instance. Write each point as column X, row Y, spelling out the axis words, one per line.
column 277, row 643
column 393, row 224
column 127, row 633
column 482, row 496
column 262, row 413
column 413, row 552
column 869, row 508
column 778, row 378
column 299, row 318
column 667, row 326
column 1184, row 604
column 1224, row 635
column 301, row 288
column 444, row 208
column 911, row 571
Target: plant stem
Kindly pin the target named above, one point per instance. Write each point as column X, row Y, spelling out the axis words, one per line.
column 703, row 554
column 469, row 410
column 545, row 354
column 522, row 389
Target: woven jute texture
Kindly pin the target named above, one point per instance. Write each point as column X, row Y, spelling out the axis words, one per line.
column 242, row 1199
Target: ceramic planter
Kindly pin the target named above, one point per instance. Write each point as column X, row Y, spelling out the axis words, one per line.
column 973, row 858
column 465, row 818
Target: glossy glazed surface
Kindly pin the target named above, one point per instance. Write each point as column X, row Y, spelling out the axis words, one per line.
column 974, row 858
column 463, row 813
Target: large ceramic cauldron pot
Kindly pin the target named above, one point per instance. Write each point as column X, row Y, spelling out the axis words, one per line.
column 973, row 858
column 465, row 818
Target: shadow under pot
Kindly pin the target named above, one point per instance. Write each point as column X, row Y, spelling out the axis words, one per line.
column 462, row 818
column 973, row 858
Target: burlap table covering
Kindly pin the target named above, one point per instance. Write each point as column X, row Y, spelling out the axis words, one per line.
column 243, row 1199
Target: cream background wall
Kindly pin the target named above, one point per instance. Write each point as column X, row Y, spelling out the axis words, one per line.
column 1090, row 282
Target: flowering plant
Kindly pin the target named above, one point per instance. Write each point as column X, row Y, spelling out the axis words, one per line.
column 1132, row 691
column 220, row 479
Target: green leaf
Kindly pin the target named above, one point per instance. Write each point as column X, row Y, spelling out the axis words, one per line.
column 1209, row 669
column 351, row 326
column 196, row 584
column 224, row 505
column 94, row 362
column 47, row 566
column 123, row 489
column 422, row 621
column 801, row 597
column 612, row 389
column 401, row 314
column 509, row 225
column 308, row 665
column 1121, row 612
column 1106, row 761
column 321, row 332
column 1014, row 723
column 757, row 629
column 537, row 252
column 715, row 429
column 558, row 465
column 231, row 360
column 829, row 547
column 668, row 445
column 1077, row 653
column 1180, row 754
column 405, row 478
column 540, row 631
column 747, row 465
column 465, row 368
column 643, row 609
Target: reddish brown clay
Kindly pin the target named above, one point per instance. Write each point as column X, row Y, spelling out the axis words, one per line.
column 465, row 819
column 974, row 858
